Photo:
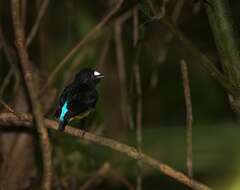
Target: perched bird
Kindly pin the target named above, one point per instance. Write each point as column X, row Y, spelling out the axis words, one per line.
column 79, row 97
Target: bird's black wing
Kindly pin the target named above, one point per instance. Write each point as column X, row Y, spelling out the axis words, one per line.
column 82, row 98
column 66, row 92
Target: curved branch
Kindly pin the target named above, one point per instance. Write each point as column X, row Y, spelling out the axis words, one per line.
column 9, row 119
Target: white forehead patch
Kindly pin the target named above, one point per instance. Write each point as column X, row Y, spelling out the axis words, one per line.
column 96, row 73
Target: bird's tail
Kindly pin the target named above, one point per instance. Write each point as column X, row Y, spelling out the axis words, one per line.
column 62, row 125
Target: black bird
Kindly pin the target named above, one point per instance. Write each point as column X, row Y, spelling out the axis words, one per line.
column 79, row 97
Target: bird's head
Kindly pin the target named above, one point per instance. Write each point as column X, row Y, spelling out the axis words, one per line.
column 88, row 76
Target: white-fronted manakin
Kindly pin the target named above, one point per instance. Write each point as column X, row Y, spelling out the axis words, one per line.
column 79, row 97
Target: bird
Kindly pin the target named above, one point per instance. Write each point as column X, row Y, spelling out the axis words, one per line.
column 78, row 98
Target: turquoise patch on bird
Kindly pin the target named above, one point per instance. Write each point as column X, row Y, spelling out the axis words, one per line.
column 64, row 110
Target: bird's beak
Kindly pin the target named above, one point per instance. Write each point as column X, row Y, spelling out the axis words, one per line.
column 100, row 76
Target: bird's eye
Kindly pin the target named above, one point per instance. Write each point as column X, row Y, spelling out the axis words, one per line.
column 96, row 73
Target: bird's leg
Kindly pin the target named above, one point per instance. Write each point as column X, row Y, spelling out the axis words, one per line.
column 62, row 125
column 83, row 133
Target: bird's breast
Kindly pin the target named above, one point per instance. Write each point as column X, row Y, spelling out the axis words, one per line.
column 81, row 115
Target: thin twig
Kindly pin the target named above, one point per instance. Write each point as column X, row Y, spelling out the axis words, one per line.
column 104, row 51
column 23, row 13
column 30, row 89
column 226, row 36
column 10, row 120
column 163, row 52
column 12, row 60
column 139, row 122
column 122, row 179
column 8, row 51
column 6, row 81
column 97, row 177
column 68, row 75
column 93, row 32
column 189, row 116
column 121, row 70
column 7, row 107
column 135, row 25
column 205, row 61
column 138, row 92
column 35, row 27
column 126, row 112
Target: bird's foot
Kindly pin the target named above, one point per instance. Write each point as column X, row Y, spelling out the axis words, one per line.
column 61, row 127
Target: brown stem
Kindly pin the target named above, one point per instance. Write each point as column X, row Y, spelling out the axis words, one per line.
column 35, row 27
column 97, row 177
column 125, row 107
column 189, row 116
column 122, row 179
column 31, row 91
column 135, row 25
column 139, row 122
column 163, row 51
column 9, row 119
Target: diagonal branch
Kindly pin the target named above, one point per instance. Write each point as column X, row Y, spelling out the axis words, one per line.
column 93, row 32
column 10, row 120
column 31, row 92
column 35, row 27
column 227, row 41
column 205, row 61
column 97, row 177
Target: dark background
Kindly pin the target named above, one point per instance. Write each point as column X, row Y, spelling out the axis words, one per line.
column 215, row 127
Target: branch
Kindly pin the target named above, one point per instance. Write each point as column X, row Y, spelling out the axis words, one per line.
column 189, row 118
column 138, row 120
column 97, row 177
column 31, row 92
column 104, row 52
column 8, row 108
column 10, row 120
column 226, row 37
column 122, row 179
column 120, row 56
column 163, row 51
column 6, row 81
column 205, row 61
column 35, row 27
column 93, row 32
column 228, row 43
column 137, row 77
column 12, row 60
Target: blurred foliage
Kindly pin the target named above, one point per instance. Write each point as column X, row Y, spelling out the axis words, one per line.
column 215, row 130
